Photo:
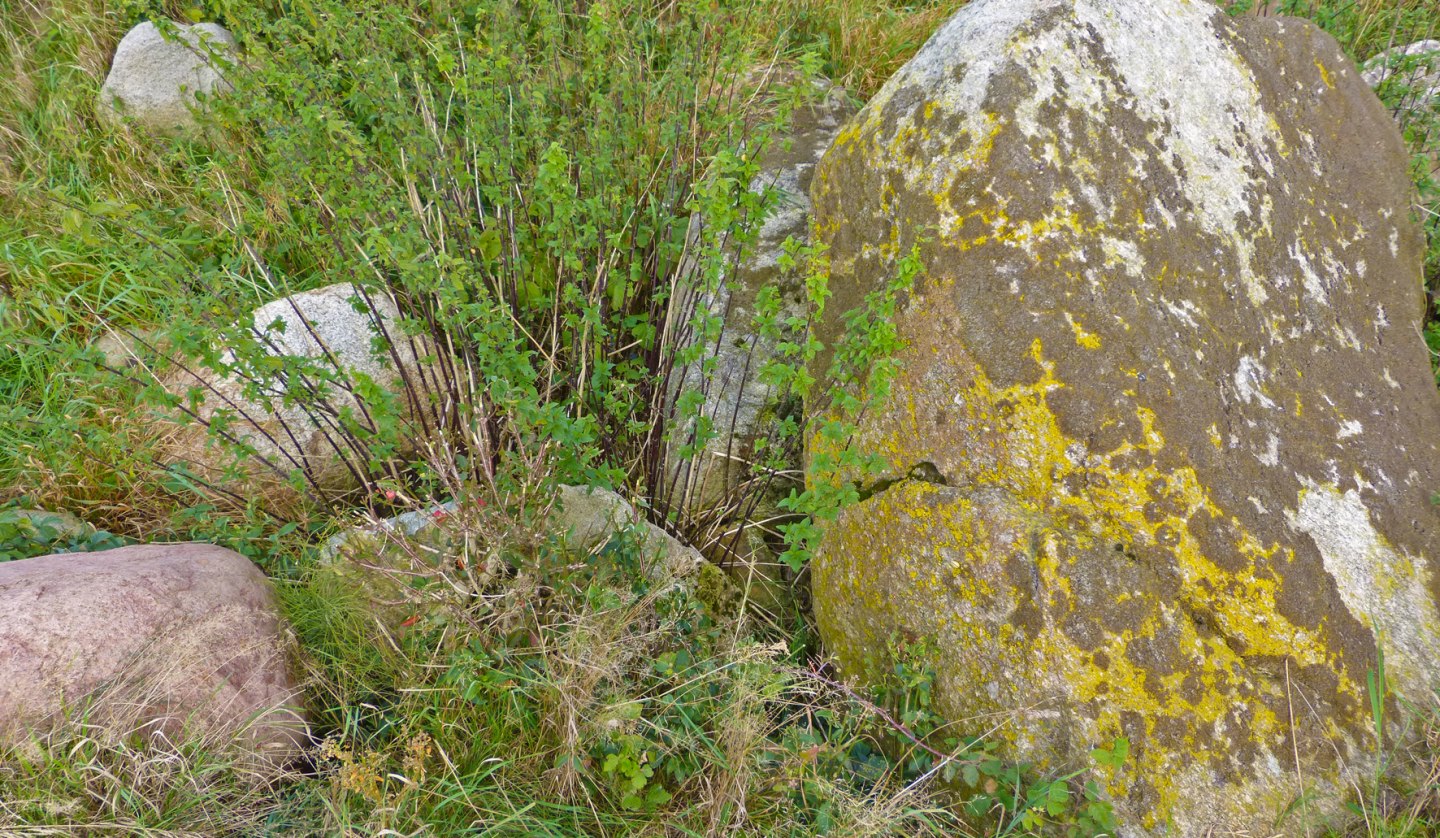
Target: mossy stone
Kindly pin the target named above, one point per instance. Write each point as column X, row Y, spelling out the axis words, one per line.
column 1164, row 371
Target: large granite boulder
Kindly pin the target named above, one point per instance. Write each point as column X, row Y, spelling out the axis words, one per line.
column 155, row 79
column 739, row 407
column 154, row 639
column 310, row 420
column 125, row 350
column 1163, row 443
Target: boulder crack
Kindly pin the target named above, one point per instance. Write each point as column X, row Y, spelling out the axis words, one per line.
column 923, row 472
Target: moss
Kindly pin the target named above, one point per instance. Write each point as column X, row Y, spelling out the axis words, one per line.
column 715, row 590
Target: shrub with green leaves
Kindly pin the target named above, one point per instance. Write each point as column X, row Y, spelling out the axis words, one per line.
column 519, row 178
column 532, row 226
column 25, row 534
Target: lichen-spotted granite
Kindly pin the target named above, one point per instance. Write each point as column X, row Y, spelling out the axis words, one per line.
column 1165, row 377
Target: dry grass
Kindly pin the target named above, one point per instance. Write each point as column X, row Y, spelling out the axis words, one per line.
column 865, row 41
column 121, row 496
column 113, row 768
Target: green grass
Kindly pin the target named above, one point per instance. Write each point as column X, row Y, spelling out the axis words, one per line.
column 607, row 707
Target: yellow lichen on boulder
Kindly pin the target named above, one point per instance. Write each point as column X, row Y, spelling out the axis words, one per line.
column 1163, row 376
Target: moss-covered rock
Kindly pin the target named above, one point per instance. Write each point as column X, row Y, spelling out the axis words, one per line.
column 1164, row 378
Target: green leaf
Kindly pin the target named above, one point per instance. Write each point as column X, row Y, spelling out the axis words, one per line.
column 1114, row 756
column 1057, row 799
column 489, row 244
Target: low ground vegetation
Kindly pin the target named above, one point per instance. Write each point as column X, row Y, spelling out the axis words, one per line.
column 519, row 178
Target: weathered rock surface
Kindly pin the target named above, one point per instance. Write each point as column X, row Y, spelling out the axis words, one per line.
column 384, row 556
column 426, row 524
column 1420, row 74
column 1168, row 421
column 589, row 517
column 739, row 406
column 326, row 327
column 1414, row 71
column 152, row 638
column 124, row 350
column 154, row 80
